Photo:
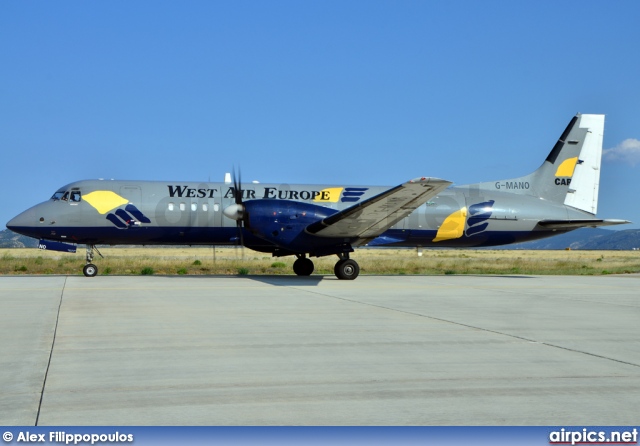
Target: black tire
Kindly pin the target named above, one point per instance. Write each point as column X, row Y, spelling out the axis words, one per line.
column 90, row 270
column 337, row 266
column 347, row 269
column 303, row 267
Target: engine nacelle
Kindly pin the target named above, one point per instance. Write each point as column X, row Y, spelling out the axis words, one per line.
column 283, row 223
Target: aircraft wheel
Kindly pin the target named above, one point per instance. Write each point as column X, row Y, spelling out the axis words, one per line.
column 303, row 267
column 336, row 268
column 347, row 269
column 90, row 270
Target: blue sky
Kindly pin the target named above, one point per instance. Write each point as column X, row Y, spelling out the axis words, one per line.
column 348, row 92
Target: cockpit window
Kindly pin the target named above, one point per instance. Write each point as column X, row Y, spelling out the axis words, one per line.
column 76, row 196
column 65, row 197
column 58, row 195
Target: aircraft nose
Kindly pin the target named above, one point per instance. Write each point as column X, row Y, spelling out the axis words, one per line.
column 23, row 221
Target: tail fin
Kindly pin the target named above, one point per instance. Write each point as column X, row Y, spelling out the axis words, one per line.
column 571, row 173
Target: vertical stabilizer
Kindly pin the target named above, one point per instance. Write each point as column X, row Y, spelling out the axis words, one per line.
column 571, row 173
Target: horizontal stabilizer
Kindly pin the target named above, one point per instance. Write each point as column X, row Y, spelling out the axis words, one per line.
column 373, row 216
column 575, row 224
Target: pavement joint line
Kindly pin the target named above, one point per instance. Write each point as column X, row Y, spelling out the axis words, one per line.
column 53, row 342
column 472, row 327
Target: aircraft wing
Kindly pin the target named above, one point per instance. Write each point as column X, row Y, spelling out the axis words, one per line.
column 574, row 224
column 375, row 215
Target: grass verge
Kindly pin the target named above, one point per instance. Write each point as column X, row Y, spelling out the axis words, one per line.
column 228, row 261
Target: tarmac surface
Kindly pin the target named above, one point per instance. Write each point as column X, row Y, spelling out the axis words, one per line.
column 392, row 350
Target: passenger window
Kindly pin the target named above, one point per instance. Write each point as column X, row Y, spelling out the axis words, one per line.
column 170, row 206
column 216, row 207
column 194, row 207
column 205, row 207
column 182, row 207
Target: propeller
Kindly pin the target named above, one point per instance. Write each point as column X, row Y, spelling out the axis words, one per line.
column 237, row 211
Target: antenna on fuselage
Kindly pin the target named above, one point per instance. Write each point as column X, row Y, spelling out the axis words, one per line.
column 227, row 178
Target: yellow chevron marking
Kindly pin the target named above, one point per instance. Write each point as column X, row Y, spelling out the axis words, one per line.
column 566, row 168
column 452, row 226
column 104, row 200
column 329, row 195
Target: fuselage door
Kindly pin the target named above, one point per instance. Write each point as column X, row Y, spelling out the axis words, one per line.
column 74, row 197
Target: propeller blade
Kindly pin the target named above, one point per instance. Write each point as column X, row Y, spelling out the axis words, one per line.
column 237, row 212
column 240, row 233
column 237, row 186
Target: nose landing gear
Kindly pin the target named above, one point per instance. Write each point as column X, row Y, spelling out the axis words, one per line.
column 90, row 270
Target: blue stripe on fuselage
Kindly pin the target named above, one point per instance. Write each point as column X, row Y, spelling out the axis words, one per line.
column 227, row 236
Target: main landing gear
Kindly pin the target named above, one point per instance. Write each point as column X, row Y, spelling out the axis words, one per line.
column 303, row 266
column 90, row 270
column 345, row 268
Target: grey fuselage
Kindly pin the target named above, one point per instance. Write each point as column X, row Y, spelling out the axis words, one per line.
column 158, row 212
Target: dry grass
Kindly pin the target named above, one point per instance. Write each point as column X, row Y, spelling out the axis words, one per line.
column 228, row 261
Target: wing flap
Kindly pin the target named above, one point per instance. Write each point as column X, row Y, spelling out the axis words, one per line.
column 574, row 224
column 375, row 215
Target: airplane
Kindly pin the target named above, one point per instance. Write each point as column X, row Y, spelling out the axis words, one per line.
column 321, row 220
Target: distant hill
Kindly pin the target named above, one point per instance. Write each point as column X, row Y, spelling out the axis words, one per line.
column 9, row 239
column 628, row 239
column 585, row 238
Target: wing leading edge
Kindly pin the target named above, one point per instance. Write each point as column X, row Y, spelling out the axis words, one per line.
column 375, row 215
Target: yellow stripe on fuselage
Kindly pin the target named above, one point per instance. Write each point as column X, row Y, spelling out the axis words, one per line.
column 329, row 195
column 104, row 200
column 452, row 226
